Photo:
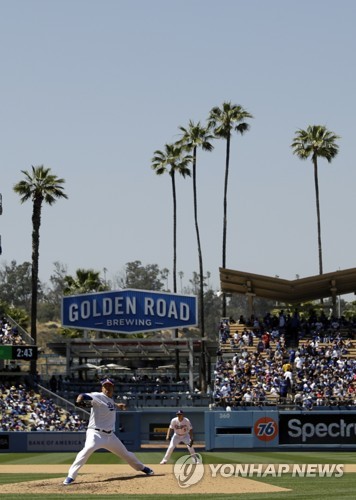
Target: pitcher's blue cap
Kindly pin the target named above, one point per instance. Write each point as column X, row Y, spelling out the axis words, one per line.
column 180, row 412
column 107, row 381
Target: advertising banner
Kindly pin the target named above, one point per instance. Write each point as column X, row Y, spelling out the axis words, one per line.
column 129, row 311
column 52, row 441
column 333, row 428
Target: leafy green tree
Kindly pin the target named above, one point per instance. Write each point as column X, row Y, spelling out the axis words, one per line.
column 40, row 186
column 142, row 277
column 18, row 314
column 316, row 142
column 49, row 308
column 193, row 137
column 57, row 279
column 173, row 160
column 181, row 276
column 164, row 276
column 212, row 314
column 15, row 285
column 349, row 310
column 195, row 282
column 224, row 121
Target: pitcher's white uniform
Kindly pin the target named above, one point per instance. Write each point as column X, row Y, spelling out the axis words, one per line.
column 100, row 434
column 181, row 434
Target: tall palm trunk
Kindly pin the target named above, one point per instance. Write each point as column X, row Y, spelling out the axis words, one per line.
column 225, row 217
column 203, row 374
column 36, row 223
column 316, row 182
column 177, row 361
column 39, row 185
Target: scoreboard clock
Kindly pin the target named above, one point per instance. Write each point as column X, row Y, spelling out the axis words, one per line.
column 26, row 352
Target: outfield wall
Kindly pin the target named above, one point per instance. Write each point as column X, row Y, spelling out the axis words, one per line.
column 134, row 428
column 332, row 428
column 246, row 429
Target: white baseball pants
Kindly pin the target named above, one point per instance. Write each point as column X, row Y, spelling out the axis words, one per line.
column 96, row 440
column 175, row 440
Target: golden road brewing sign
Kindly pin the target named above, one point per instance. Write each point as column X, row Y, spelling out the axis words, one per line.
column 129, row 311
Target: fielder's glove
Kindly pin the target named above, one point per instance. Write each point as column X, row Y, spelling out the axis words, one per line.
column 190, row 444
column 85, row 402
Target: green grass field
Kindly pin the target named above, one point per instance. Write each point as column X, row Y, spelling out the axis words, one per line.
column 301, row 488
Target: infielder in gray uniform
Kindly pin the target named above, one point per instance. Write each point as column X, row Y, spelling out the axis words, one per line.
column 182, row 431
column 100, row 431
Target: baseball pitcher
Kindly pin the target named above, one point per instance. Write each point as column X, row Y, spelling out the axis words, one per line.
column 100, row 432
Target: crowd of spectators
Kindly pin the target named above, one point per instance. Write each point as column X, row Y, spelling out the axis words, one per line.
column 24, row 409
column 278, row 359
column 9, row 335
column 286, row 360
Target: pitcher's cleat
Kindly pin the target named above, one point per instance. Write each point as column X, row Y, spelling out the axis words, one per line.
column 148, row 471
column 163, row 461
column 68, row 480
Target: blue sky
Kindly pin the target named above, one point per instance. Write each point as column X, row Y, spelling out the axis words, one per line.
column 92, row 88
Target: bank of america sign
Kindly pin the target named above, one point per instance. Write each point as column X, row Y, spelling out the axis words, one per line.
column 129, row 311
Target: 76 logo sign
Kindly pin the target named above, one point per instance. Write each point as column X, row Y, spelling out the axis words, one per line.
column 265, row 429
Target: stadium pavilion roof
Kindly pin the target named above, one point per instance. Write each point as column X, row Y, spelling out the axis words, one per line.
column 132, row 350
column 289, row 291
column 129, row 348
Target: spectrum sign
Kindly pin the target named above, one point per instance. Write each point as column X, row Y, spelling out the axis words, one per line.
column 129, row 311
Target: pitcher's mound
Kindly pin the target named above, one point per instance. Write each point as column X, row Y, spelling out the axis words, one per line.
column 123, row 480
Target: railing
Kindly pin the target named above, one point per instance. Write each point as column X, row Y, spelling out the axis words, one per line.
column 175, row 400
column 144, row 396
column 26, row 337
column 288, row 404
column 63, row 403
column 124, row 387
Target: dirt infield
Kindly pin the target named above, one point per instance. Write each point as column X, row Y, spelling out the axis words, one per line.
column 122, row 479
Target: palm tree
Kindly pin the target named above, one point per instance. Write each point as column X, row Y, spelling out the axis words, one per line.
column 181, row 276
column 194, row 137
column 173, row 160
column 164, row 276
column 316, row 141
column 84, row 281
column 40, row 186
column 225, row 120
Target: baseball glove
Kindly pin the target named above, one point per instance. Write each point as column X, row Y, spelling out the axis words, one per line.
column 84, row 403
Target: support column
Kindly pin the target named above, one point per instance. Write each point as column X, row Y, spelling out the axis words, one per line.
column 250, row 303
column 68, row 356
column 191, row 365
column 333, row 291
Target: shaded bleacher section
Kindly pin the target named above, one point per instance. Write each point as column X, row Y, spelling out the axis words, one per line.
column 258, row 365
column 140, row 392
